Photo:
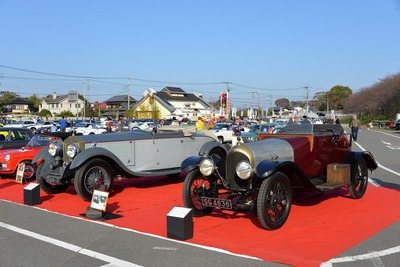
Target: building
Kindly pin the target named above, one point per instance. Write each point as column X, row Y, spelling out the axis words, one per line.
column 18, row 107
column 59, row 103
column 117, row 105
column 172, row 102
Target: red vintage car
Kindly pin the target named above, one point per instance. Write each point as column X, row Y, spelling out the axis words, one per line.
column 262, row 176
column 11, row 158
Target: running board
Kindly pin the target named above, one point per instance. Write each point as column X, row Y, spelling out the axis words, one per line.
column 329, row 186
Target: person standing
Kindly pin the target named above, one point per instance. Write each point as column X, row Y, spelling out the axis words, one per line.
column 237, row 128
column 109, row 125
column 199, row 124
column 354, row 125
column 63, row 124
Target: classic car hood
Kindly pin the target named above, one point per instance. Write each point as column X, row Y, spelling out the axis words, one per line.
column 271, row 148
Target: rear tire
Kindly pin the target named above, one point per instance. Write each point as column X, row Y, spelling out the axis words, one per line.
column 359, row 185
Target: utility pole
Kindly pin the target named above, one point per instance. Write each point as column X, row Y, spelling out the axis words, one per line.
column 129, row 93
column 86, row 97
column 306, row 87
column 210, row 107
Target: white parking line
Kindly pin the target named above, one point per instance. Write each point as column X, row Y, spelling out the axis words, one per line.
column 368, row 256
column 113, row 261
column 379, row 165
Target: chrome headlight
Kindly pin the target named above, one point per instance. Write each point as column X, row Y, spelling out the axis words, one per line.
column 72, row 150
column 207, row 166
column 7, row 158
column 244, row 170
column 54, row 149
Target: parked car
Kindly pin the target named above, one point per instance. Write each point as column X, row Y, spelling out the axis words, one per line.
column 92, row 162
column 263, row 175
column 223, row 131
column 39, row 124
column 11, row 137
column 11, row 158
column 18, row 124
column 252, row 135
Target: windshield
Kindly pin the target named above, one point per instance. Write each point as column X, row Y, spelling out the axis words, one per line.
column 315, row 129
column 38, row 141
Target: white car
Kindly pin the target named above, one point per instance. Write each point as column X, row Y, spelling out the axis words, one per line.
column 93, row 130
column 20, row 124
column 223, row 131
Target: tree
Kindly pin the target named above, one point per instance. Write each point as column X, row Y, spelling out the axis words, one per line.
column 66, row 113
column 6, row 96
column 45, row 113
column 338, row 95
column 35, row 100
column 282, row 103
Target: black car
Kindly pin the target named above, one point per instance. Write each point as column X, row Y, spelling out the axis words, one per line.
column 13, row 137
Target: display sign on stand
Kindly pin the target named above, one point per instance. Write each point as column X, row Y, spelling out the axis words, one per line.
column 180, row 223
column 19, row 178
column 98, row 206
column 32, row 194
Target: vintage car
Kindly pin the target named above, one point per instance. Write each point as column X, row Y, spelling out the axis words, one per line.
column 11, row 137
column 255, row 130
column 92, row 162
column 11, row 158
column 262, row 176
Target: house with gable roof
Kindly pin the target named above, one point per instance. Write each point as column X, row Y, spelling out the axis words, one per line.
column 117, row 105
column 58, row 103
column 172, row 102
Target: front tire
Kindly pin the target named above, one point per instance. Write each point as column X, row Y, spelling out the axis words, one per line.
column 359, row 185
column 92, row 175
column 196, row 186
column 47, row 187
column 274, row 201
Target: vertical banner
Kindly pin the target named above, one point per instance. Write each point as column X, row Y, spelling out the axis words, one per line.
column 223, row 102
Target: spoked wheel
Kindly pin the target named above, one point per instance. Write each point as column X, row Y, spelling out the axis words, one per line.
column 48, row 187
column 196, row 186
column 360, row 180
column 29, row 171
column 274, row 201
column 92, row 175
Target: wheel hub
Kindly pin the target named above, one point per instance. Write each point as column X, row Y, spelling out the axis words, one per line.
column 99, row 180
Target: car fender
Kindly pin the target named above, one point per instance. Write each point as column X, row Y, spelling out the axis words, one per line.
column 93, row 152
column 43, row 154
column 267, row 167
column 296, row 175
column 190, row 163
column 207, row 147
column 353, row 157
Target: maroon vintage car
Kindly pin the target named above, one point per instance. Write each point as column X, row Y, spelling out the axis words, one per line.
column 263, row 175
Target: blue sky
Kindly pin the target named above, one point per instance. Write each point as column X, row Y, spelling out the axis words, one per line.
column 261, row 49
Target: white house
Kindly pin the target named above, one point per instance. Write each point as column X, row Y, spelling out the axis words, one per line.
column 56, row 104
column 172, row 102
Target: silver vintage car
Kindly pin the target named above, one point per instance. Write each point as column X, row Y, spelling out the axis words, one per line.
column 91, row 162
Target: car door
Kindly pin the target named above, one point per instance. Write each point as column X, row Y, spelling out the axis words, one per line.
column 170, row 152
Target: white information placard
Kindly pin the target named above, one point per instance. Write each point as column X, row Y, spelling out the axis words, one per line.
column 179, row 212
column 99, row 200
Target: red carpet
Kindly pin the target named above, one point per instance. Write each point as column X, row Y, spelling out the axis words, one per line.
column 318, row 229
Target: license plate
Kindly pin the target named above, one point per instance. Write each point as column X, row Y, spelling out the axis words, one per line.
column 216, row 202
